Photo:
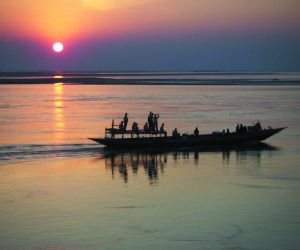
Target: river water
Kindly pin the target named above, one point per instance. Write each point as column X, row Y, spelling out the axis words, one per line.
column 58, row 190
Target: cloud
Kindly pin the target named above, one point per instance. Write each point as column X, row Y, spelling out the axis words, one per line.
column 106, row 5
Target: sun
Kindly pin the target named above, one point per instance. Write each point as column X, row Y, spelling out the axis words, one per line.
column 58, row 47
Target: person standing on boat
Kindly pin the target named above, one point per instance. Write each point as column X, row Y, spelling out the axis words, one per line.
column 125, row 121
column 155, row 122
column 150, row 121
column 196, row 131
column 237, row 128
column 258, row 126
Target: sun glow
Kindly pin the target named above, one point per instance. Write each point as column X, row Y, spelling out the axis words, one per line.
column 58, row 47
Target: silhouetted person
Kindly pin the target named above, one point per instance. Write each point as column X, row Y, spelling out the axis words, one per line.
column 155, row 121
column 133, row 127
column 237, row 128
column 150, row 121
column 196, row 131
column 121, row 126
column 146, row 127
column 162, row 129
column 258, row 126
column 175, row 133
column 227, row 131
column 136, row 128
column 125, row 120
column 242, row 130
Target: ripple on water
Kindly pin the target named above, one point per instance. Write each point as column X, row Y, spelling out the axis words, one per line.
column 15, row 153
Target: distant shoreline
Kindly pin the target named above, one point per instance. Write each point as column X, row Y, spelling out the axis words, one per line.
column 152, row 78
column 107, row 81
column 164, row 83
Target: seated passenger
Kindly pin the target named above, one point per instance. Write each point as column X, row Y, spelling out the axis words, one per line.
column 175, row 133
column 134, row 127
column 196, row 131
column 146, row 127
column 121, row 126
column 162, row 129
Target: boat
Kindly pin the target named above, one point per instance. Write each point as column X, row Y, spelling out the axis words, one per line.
column 142, row 139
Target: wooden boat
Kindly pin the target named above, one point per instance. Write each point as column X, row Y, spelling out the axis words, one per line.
column 160, row 140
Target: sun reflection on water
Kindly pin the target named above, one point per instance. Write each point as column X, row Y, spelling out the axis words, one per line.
column 58, row 111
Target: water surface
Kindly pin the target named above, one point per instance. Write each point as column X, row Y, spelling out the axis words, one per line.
column 60, row 191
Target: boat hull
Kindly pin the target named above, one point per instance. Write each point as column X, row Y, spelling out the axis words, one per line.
column 205, row 140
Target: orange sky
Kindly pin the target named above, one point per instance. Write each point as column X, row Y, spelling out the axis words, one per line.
column 71, row 19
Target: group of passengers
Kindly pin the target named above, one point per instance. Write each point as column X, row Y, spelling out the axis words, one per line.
column 152, row 122
column 151, row 126
column 240, row 128
column 175, row 133
column 123, row 124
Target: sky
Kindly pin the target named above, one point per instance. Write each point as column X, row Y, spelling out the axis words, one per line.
column 150, row 35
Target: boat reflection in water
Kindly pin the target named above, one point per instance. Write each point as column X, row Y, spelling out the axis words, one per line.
column 154, row 162
column 151, row 163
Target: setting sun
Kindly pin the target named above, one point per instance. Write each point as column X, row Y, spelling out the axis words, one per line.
column 58, row 47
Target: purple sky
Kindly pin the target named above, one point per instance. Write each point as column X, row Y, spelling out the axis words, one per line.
column 152, row 35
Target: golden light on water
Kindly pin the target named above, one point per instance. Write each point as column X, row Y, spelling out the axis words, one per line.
column 58, row 87
column 58, row 111
column 58, row 104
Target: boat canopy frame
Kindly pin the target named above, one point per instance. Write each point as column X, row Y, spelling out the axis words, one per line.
column 114, row 130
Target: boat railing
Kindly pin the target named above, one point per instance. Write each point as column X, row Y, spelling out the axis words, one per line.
column 112, row 132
